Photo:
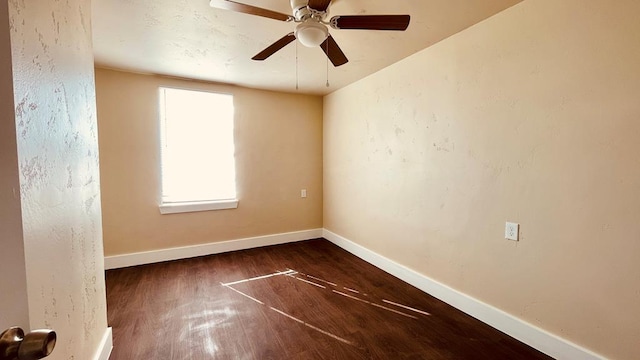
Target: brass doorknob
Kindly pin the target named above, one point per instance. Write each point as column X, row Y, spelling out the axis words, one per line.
column 15, row 345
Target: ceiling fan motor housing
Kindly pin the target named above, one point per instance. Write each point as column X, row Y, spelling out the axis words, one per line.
column 300, row 9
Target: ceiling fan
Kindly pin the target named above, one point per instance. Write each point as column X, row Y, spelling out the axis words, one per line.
column 312, row 30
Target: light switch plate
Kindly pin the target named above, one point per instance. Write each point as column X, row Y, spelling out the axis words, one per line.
column 511, row 231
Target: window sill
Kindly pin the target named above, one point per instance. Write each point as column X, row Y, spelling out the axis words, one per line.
column 196, row 206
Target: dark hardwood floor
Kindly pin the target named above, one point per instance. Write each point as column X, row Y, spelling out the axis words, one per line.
column 306, row 300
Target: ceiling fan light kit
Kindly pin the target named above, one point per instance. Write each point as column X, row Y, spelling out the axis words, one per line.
column 312, row 30
column 311, row 33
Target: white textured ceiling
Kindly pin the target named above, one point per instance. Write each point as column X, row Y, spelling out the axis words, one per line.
column 188, row 38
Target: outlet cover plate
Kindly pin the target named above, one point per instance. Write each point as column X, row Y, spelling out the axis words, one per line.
column 511, row 231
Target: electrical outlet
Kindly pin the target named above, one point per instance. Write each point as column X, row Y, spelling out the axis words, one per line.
column 511, row 231
column 303, row 193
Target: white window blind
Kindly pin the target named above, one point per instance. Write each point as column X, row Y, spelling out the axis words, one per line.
column 197, row 156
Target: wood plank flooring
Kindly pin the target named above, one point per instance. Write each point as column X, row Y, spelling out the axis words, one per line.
column 306, row 300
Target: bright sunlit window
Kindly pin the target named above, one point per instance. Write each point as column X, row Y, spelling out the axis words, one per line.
column 197, row 157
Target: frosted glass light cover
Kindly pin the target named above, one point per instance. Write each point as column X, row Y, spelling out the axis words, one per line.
column 311, row 34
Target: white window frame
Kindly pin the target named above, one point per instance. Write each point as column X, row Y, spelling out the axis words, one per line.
column 178, row 206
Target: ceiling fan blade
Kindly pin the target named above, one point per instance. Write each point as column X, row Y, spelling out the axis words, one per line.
column 371, row 22
column 320, row 5
column 284, row 41
column 333, row 51
column 249, row 9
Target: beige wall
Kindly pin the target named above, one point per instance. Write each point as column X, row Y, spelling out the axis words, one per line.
column 14, row 310
column 532, row 116
column 278, row 152
column 55, row 117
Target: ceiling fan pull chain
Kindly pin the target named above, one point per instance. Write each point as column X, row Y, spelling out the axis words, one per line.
column 327, row 63
column 296, row 65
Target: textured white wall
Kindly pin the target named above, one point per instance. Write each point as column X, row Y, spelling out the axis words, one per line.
column 59, row 178
column 13, row 288
column 531, row 116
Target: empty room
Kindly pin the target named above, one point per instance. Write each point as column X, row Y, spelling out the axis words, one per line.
column 342, row 179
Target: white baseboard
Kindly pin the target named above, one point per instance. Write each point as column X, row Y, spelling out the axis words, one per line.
column 529, row 334
column 148, row 257
column 104, row 350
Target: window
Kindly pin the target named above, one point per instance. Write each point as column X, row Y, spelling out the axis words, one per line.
column 197, row 156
